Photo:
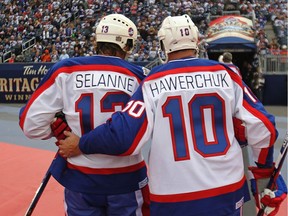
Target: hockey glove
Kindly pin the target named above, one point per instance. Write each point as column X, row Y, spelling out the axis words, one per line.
column 265, row 198
column 58, row 126
column 239, row 130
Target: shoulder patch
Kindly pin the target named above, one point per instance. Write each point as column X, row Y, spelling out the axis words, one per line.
column 146, row 71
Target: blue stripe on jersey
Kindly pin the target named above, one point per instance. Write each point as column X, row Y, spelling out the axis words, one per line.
column 256, row 108
column 94, row 61
column 182, row 64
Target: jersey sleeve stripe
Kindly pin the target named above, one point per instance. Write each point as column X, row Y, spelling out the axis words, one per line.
column 137, row 138
column 270, row 127
column 34, row 96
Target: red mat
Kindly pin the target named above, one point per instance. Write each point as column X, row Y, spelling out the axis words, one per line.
column 22, row 171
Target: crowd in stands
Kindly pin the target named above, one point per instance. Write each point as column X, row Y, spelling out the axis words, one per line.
column 66, row 28
column 276, row 12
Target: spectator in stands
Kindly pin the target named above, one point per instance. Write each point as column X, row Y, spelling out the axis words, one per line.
column 65, row 44
column 274, row 47
column 54, row 34
column 37, row 56
column 12, row 58
column 54, row 55
column 153, row 51
column 283, row 59
column 258, row 82
column 263, row 45
column 58, row 44
column 46, row 57
column 146, row 15
column 2, row 51
column 202, row 46
column 87, row 29
column 38, row 46
column 6, row 44
column 46, row 35
column 227, row 59
column 248, row 73
column 77, row 45
column 63, row 55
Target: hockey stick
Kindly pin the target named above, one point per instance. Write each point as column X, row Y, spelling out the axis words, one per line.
column 59, row 115
column 39, row 191
column 276, row 169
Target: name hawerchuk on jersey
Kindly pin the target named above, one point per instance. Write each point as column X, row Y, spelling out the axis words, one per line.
column 177, row 82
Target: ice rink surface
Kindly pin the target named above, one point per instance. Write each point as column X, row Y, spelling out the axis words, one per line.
column 12, row 134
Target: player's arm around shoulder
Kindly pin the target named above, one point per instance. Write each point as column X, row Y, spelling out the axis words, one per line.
column 122, row 134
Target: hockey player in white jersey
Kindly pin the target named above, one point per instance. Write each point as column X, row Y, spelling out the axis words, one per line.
column 88, row 90
column 185, row 108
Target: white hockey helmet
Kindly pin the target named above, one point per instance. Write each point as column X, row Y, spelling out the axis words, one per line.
column 117, row 29
column 177, row 33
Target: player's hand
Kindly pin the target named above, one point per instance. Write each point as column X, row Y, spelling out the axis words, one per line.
column 58, row 126
column 265, row 198
column 239, row 130
column 70, row 146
